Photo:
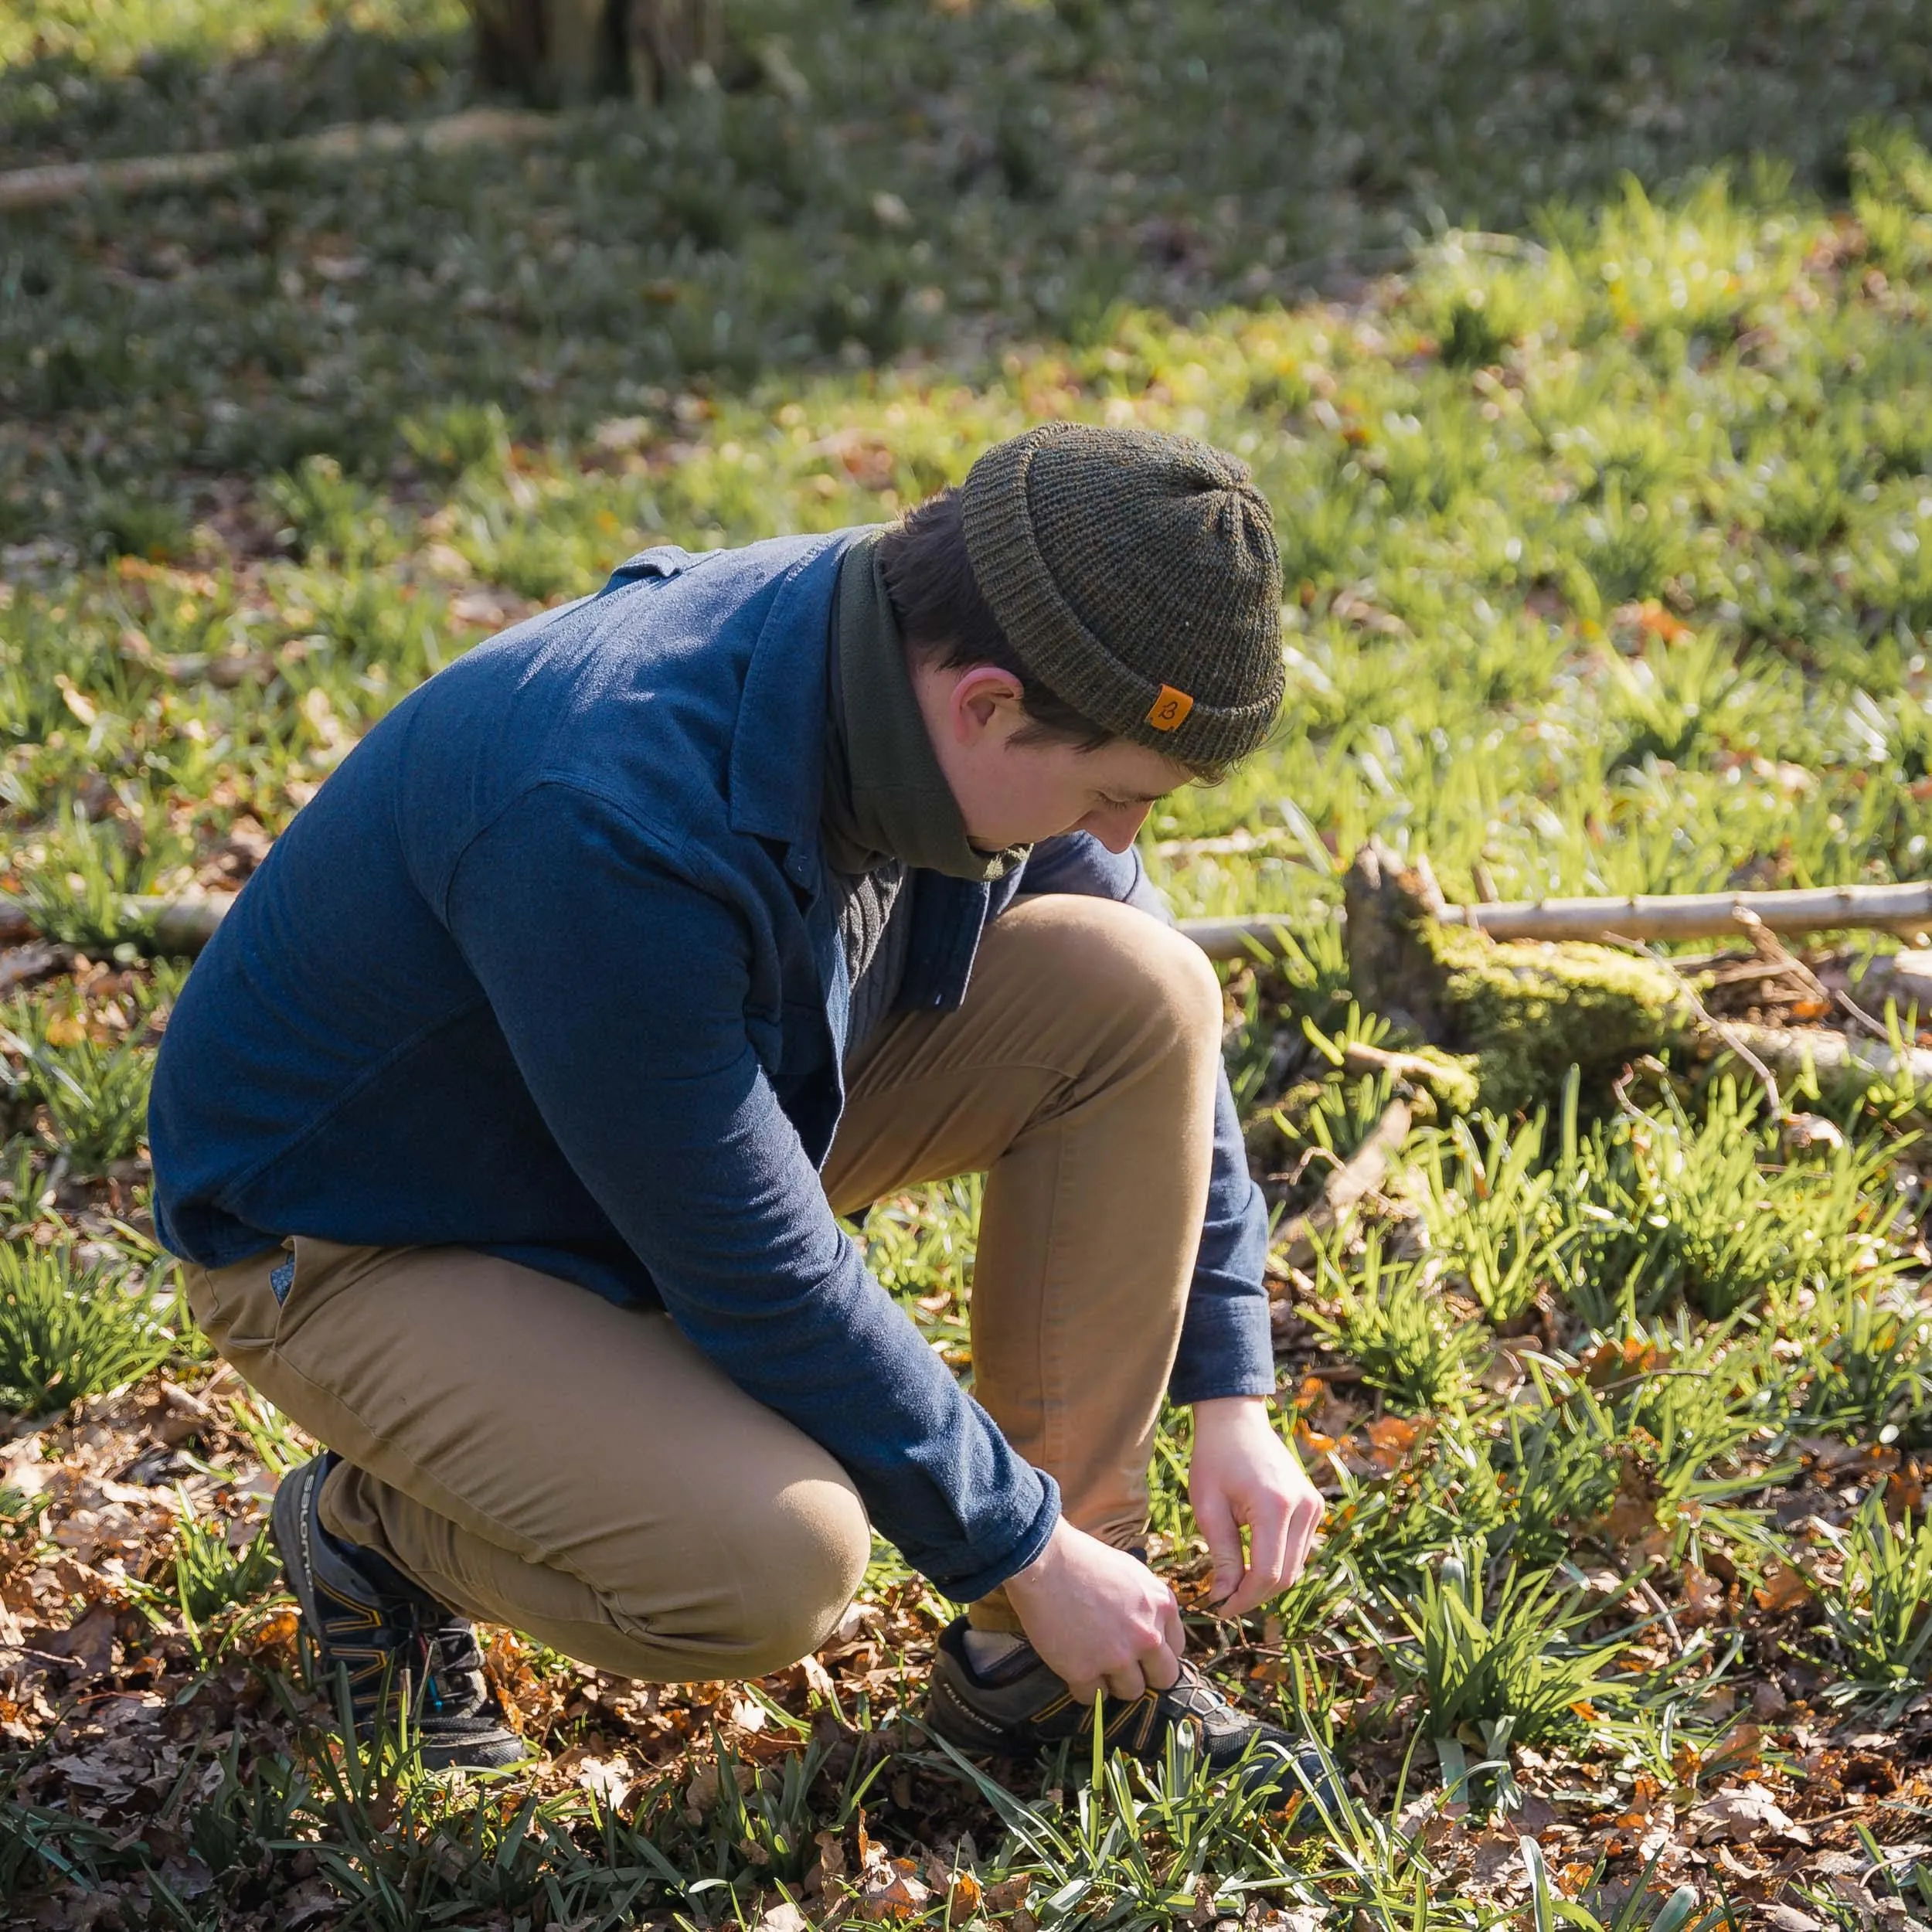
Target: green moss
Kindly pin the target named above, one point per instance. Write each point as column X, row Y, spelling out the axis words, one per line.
column 1528, row 1011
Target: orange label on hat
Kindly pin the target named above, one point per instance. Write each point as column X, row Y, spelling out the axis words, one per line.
column 1170, row 709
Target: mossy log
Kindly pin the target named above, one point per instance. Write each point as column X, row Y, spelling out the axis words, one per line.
column 1523, row 1011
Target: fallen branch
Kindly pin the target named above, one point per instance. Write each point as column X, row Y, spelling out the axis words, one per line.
column 1905, row 978
column 1844, row 1067
column 1891, row 909
column 1734, row 1040
column 184, row 926
column 166, row 928
column 47, row 187
column 1362, row 1174
column 1359, row 1057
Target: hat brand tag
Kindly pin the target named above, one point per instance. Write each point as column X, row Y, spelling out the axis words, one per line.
column 1170, row 709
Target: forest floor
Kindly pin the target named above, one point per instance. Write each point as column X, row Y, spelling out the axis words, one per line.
column 1583, row 354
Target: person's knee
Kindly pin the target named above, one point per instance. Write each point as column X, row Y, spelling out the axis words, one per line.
column 1151, row 977
column 799, row 1564
column 1189, row 986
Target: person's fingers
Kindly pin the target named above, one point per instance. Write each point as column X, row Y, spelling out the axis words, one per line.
column 1216, row 1516
column 1084, row 1692
column 1173, row 1628
column 1268, row 1557
column 1306, row 1520
column 1161, row 1667
column 1126, row 1683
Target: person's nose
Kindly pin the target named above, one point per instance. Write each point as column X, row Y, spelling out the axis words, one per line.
column 1115, row 826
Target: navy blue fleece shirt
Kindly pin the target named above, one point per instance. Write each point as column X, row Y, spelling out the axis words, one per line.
column 549, row 968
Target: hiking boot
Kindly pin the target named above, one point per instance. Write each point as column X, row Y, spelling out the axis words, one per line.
column 1017, row 1706
column 400, row 1648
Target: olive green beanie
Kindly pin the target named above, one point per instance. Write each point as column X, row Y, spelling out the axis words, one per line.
column 1135, row 575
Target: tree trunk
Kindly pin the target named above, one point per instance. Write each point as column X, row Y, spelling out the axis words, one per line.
column 559, row 53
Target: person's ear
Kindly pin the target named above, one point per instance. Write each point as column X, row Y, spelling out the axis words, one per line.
column 981, row 696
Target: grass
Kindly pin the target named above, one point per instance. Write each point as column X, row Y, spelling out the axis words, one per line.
column 1583, row 354
column 68, row 1331
column 1881, row 1614
column 1489, row 1659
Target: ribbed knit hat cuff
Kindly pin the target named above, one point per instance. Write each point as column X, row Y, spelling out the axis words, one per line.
column 1048, row 635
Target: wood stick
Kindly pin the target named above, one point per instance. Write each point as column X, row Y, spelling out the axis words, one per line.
column 1841, row 1063
column 1358, row 1057
column 180, row 926
column 1905, row 978
column 186, row 925
column 1892, row 909
column 1363, row 1172
column 47, row 187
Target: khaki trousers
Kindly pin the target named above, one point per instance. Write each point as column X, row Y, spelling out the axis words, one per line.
column 535, row 1456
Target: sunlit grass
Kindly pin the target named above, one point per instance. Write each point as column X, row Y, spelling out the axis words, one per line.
column 1609, row 559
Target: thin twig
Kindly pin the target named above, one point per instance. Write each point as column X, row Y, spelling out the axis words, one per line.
column 1359, row 1057
column 1619, row 1089
column 1361, row 1175
column 1648, row 1589
column 1729, row 1035
column 1770, row 947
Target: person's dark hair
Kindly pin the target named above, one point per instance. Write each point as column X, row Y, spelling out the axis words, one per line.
column 942, row 615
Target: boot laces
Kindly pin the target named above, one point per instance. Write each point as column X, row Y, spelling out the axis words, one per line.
column 449, row 1664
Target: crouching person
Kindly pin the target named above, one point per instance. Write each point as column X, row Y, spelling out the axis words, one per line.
column 502, row 1127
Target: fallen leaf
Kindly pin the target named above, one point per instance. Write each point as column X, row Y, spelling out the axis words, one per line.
column 1293, row 1918
column 1644, row 1795
column 1781, row 1589
column 309, row 1900
column 1703, row 1597
column 89, row 1640
column 856, row 1619
column 898, row 1893
column 1609, row 1361
column 1007, row 1896
column 1634, row 1510
column 1742, row 1815
column 1391, row 1438
column 1738, row 1750
column 1663, row 624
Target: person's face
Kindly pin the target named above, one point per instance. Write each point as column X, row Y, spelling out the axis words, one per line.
column 1015, row 793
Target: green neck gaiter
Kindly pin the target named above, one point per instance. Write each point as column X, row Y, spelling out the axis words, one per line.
column 885, row 795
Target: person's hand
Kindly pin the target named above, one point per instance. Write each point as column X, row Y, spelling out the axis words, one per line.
column 1099, row 1618
column 1244, row 1476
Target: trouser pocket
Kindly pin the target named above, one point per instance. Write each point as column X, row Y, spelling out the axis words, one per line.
column 239, row 1308
column 312, row 1274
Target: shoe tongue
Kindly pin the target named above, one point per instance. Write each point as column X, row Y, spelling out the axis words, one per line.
column 1007, row 1668
column 986, row 1648
column 454, row 1647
